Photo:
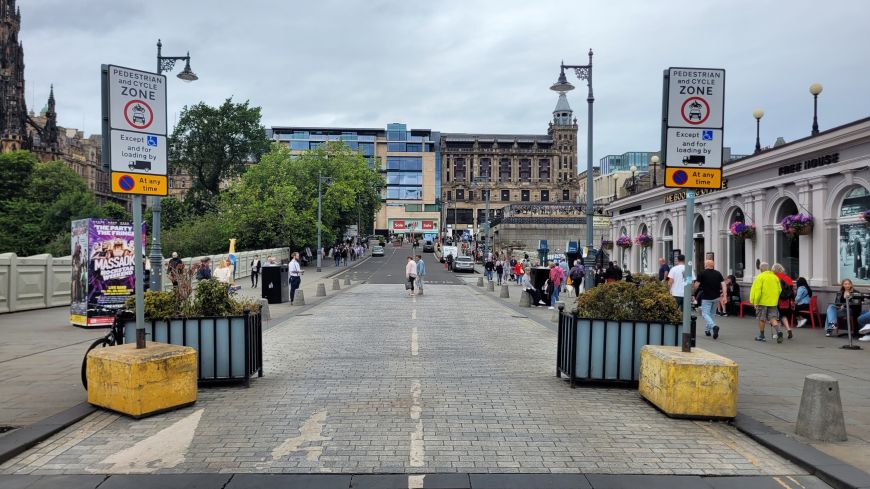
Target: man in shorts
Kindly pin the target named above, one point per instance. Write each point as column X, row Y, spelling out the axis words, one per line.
column 764, row 296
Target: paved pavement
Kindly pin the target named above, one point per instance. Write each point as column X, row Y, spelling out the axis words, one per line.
column 772, row 375
column 373, row 381
column 41, row 354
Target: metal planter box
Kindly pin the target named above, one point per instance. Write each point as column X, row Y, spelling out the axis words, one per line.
column 227, row 348
column 607, row 351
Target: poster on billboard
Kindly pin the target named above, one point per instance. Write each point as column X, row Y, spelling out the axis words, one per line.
column 104, row 268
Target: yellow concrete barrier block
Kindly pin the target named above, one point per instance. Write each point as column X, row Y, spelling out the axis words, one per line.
column 142, row 382
column 699, row 384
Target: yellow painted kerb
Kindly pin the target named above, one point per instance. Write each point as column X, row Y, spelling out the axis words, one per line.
column 142, row 382
column 699, row 384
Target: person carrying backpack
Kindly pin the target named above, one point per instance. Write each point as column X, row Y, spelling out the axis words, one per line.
column 785, row 297
column 577, row 274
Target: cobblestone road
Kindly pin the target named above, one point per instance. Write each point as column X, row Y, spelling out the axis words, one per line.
column 375, row 381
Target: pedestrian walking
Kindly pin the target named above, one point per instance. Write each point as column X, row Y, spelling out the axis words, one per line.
column 556, row 278
column 421, row 271
column 786, row 297
column 764, row 296
column 499, row 270
column 204, row 272
column 410, row 275
column 255, row 271
column 295, row 272
column 336, row 255
column 488, row 268
column 344, row 254
column 577, row 274
column 664, row 268
column 519, row 272
column 677, row 280
column 712, row 290
column 174, row 268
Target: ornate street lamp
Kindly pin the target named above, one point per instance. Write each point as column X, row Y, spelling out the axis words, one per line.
column 815, row 89
column 654, row 162
column 758, row 114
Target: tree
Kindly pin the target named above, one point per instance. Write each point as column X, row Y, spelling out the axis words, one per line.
column 16, row 169
column 214, row 144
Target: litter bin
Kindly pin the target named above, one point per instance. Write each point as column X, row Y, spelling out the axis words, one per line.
column 275, row 284
column 539, row 276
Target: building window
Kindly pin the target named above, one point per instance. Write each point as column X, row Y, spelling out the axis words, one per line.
column 736, row 248
column 449, row 196
column 404, row 193
column 566, row 195
column 525, row 170
column 414, row 147
column 504, row 170
column 505, row 195
column 460, row 194
column 299, row 145
column 485, row 167
column 854, row 243
column 484, row 195
column 525, row 196
column 644, row 256
column 544, row 169
column 405, row 163
column 545, row 195
column 471, row 195
column 459, row 169
column 786, row 248
column 668, row 242
column 460, row 216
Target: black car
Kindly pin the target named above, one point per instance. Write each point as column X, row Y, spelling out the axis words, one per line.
column 428, row 246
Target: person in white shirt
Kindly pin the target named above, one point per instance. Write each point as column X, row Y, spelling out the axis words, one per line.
column 295, row 272
column 224, row 272
column 410, row 275
column 677, row 281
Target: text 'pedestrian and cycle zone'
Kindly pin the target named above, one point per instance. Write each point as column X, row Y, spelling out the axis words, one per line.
column 695, row 109
column 137, row 126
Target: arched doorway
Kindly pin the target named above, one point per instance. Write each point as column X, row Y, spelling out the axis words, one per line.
column 644, row 252
column 786, row 248
column 623, row 252
column 853, row 257
column 668, row 241
column 698, row 234
column 736, row 246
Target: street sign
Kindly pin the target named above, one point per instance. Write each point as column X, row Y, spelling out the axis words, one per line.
column 137, row 100
column 693, row 178
column 135, row 152
column 696, row 97
column 139, row 184
column 694, row 148
column 134, row 130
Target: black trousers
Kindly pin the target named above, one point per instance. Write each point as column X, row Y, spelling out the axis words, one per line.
column 294, row 284
column 255, row 277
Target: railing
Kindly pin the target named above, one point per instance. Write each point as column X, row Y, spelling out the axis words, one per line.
column 43, row 281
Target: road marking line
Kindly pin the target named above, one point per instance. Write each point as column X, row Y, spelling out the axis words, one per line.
column 164, row 449
column 414, row 313
column 417, row 449
column 415, row 481
column 415, row 347
column 310, row 431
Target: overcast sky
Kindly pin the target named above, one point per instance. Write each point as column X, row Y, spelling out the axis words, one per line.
column 463, row 66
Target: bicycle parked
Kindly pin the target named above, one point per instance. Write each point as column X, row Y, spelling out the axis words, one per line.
column 115, row 336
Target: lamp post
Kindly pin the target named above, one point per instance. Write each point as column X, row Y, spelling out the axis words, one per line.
column 477, row 182
column 164, row 63
column 758, row 114
column 320, row 181
column 654, row 162
column 633, row 185
column 583, row 72
column 815, row 89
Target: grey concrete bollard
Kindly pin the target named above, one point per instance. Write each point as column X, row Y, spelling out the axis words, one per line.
column 321, row 290
column 505, row 292
column 480, row 281
column 558, row 307
column 347, row 281
column 264, row 309
column 335, row 284
column 821, row 413
column 525, row 299
column 300, row 298
column 490, row 286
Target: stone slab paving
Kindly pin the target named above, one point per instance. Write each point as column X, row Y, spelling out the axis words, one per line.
column 378, row 382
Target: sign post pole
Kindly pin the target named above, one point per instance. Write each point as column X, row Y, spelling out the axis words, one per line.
column 138, row 272
column 689, row 246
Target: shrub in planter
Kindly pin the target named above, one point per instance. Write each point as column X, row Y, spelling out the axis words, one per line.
column 797, row 225
column 644, row 240
column 742, row 230
column 649, row 300
column 624, row 242
column 211, row 299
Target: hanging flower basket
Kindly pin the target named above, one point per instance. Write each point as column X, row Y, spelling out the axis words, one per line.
column 606, row 244
column 743, row 230
column 865, row 216
column 644, row 240
column 797, row 225
column 624, row 241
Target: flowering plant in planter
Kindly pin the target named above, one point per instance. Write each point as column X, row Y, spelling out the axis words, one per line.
column 606, row 244
column 865, row 216
column 797, row 224
column 743, row 230
column 644, row 240
column 624, row 241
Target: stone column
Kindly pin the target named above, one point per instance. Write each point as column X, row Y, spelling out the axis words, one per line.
column 716, row 237
column 825, row 256
column 805, row 243
column 679, row 223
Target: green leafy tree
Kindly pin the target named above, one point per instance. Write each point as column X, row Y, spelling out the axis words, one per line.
column 214, row 144
column 16, row 169
column 114, row 210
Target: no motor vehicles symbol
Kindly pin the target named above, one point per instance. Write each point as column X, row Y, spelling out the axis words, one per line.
column 695, row 110
column 138, row 114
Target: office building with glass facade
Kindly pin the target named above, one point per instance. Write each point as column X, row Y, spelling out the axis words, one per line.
column 408, row 159
column 624, row 162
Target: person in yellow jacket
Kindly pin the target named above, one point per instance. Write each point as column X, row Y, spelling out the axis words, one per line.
column 764, row 296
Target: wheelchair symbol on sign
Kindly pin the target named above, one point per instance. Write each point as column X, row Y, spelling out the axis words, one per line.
column 152, row 141
column 707, row 135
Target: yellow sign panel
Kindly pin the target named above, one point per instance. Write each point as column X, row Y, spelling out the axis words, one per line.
column 139, row 184
column 693, row 178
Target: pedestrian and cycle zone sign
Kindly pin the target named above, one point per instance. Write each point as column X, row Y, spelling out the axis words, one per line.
column 694, row 139
column 135, row 106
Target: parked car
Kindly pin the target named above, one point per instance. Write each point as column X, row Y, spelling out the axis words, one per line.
column 377, row 251
column 463, row 264
column 428, row 246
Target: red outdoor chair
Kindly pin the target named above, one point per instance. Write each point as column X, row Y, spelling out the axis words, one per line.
column 813, row 312
column 745, row 303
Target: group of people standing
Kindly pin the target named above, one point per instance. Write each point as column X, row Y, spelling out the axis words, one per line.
column 415, row 270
